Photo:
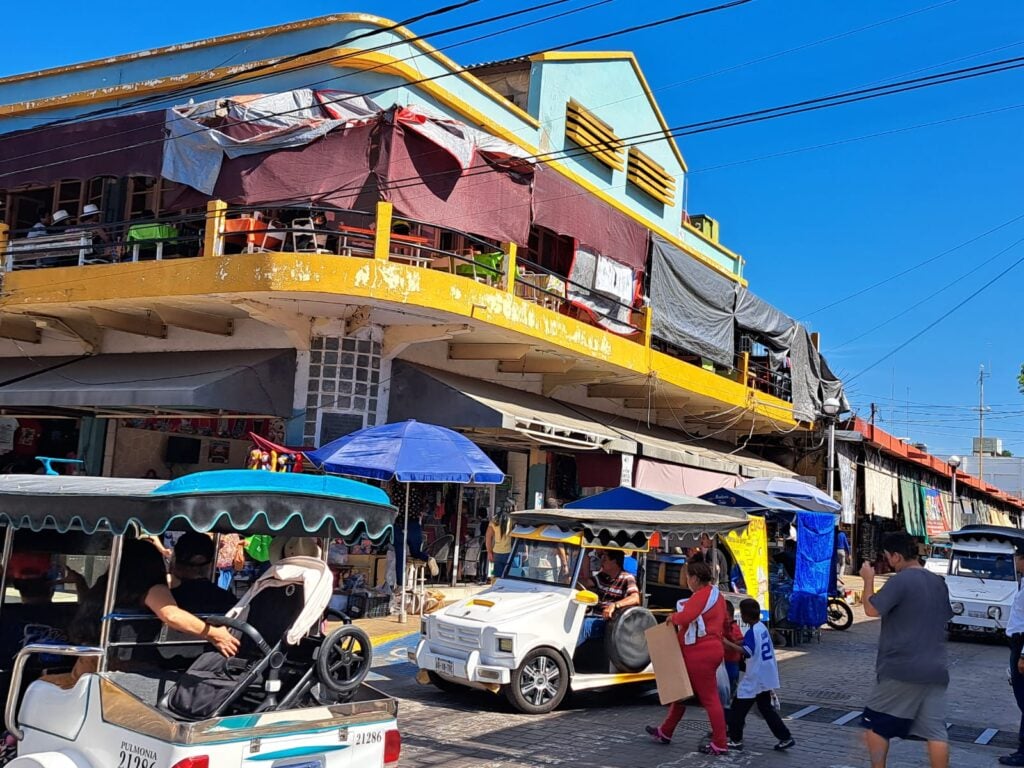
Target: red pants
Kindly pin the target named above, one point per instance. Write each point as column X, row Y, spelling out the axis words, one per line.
column 702, row 661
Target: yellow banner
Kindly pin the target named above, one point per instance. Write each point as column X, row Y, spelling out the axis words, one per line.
column 750, row 550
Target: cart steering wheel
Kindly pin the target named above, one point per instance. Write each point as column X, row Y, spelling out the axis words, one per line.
column 244, row 627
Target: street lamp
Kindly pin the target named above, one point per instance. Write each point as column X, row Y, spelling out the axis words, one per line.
column 831, row 409
column 954, row 462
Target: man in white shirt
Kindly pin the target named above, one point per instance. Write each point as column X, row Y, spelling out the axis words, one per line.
column 1015, row 632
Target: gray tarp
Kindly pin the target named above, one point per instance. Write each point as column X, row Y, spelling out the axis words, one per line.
column 699, row 310
column 813, row 380
column 773, row 328
column 692, row 305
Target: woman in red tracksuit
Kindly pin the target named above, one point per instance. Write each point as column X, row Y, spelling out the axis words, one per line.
column 701, row 629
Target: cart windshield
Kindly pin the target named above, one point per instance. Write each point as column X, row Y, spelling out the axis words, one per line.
column 544, row 562
column 982, row 565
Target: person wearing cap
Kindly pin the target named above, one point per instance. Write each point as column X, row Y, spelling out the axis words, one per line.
column 194, row 592
column 1015, row 634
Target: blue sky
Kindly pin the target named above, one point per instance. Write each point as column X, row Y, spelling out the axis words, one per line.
column 815, row 224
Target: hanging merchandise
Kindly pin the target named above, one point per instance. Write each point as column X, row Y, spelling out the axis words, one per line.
column 847, row 483
column 880, row 489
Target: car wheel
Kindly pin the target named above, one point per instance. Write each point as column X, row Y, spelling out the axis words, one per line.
column 540, row 683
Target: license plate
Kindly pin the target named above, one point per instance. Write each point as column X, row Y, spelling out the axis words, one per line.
column 977, row 614
column 444, row 666
column 315, row 763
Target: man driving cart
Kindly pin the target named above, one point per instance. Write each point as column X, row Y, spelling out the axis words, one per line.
column 615, row 587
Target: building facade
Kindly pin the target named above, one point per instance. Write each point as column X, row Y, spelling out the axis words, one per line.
column 344, row 227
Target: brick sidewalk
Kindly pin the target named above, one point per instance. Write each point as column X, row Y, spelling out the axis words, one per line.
column 823, row 688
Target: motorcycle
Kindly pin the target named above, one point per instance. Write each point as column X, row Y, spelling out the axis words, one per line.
column 839, row 614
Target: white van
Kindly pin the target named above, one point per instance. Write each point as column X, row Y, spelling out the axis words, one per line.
column 519, row 637
column 981, row 579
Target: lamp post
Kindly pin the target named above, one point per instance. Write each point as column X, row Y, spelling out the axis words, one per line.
column 831, row 409
column 954, row 462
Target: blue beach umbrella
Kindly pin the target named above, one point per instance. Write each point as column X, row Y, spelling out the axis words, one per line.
column 409, row 452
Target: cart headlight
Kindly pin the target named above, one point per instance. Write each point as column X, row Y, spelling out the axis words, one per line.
column 505, row 644
column 995, row 612
column 958, row 609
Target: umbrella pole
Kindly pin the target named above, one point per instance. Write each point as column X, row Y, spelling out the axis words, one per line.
column 402, row 617
column 458, row 529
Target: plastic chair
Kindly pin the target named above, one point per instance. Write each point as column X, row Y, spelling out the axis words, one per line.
column 485, row 267
column 305, row 238
column 441, row 551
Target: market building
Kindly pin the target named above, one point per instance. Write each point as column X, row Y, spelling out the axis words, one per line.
column 887, row 484
column 344, row 227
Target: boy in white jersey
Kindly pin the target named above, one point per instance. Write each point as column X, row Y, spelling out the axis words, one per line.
column 760, row 678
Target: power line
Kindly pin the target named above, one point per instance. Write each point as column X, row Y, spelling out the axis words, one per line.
column 853, row 139
column 208, row 87
column 930, row 296
column 939, row 319
column 186, row 89
column 461, row 70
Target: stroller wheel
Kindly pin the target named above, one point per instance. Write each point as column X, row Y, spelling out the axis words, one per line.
column 344, row 659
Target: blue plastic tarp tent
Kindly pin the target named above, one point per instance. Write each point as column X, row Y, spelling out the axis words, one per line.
column 815, row 569
column 625, row 497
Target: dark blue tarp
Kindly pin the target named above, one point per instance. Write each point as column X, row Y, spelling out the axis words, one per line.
column 410, row 452
column 815, row 535
column 624, row 497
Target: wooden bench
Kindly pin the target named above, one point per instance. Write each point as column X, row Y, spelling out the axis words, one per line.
column 49, row 251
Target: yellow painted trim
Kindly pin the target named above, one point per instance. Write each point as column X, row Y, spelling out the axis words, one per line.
column 197, row 78
column 713, row 243
column 620, row 55
column 480, row 601
column 216, row 211
column 350, row 280
column 382, row 235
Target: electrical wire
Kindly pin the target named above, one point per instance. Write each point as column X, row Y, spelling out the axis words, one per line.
column 746, row 118
column 939, row 319
column 164, row 97
column 952, row 283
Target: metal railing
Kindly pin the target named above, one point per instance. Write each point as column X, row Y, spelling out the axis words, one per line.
column 90, row 244
column 554, row 291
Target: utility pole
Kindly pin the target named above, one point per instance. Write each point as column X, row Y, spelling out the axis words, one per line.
column 981, row 421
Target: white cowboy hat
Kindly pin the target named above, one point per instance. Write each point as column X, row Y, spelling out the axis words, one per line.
column 60, row 215
column 90, row 210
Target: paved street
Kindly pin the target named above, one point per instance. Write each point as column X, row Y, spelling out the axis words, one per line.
column 823, row 686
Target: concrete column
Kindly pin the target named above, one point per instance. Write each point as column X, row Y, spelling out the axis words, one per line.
column 536, row 478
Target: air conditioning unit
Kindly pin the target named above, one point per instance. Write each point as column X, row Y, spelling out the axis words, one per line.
column 705, row 225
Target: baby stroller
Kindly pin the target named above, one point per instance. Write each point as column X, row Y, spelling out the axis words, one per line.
column 284, row 660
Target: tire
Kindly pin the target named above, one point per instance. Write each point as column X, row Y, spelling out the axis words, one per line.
column 625, row 642
column 344, row 659
column 443, row 684
column 540, row 683
column 839, row 615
